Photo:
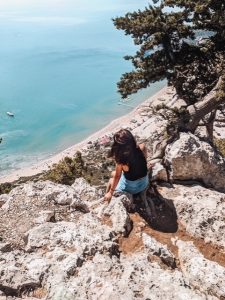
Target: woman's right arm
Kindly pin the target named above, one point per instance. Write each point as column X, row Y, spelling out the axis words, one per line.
column 116, row 178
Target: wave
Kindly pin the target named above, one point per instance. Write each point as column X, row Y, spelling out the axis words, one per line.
column 13, row 162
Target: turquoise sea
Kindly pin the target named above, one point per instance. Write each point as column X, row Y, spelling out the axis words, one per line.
column 59, row 64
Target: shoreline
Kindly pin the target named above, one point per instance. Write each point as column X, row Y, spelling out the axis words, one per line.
column 114, row 125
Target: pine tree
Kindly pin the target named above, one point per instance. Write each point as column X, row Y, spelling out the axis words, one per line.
column 182, row 41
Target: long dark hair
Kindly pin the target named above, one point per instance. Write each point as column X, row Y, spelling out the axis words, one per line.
column 124, row 147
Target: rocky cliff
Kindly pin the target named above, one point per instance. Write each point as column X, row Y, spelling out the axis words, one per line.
column 64, row 242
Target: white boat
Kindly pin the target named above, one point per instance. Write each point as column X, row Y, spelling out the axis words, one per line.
column 10, row 114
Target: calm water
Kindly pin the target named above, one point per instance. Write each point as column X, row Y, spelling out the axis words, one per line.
column 60, row 61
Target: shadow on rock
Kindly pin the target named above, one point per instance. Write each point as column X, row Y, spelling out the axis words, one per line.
column 165, row 219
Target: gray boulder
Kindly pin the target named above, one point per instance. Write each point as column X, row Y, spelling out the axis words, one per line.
column 201, row 211
column 84, row 191
column 130, row 277
column 119, row 217
column 87, row 236
column 34, row 203
column 190, row 158
column 3, row 199
column 159, row 172
column 151, row 132
column 202, row 274
column 160, row 250
column 20, row 272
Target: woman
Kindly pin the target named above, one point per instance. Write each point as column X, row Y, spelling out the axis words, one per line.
column 131, row 174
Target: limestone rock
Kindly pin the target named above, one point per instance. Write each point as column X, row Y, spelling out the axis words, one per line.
column 192, row 159
column 200, row 210
column 121, row 222
column 84, row 191
column 79, row 206
column 88, row 235
column 26, row 202
column 45, row 216
column 151, row 131
column 20, row 271
column 126, row 199
column 159, row 172
column 46, row 190
column 130, row 277
column 58, row 193
column 204, row 275
column 3, row 199
column 160, row 250
column 5, row 247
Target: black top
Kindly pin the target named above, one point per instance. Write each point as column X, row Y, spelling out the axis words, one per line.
column 137, row 167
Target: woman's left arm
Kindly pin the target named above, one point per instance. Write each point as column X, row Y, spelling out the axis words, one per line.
column 143, row 149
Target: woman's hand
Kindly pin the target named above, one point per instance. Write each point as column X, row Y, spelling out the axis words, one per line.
column 150, row 166
column 108, row 197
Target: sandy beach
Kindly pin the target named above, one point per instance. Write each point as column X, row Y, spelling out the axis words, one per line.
column 164, row 93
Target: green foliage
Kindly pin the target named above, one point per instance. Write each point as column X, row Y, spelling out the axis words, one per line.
column 92, row 168
column 208, row 15
column 161, row 106
column 67, row 170
column 156, row 32
column 185, row 45
column 5, row 188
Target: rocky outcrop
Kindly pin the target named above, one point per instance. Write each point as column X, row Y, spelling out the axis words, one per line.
column 85, row 236
column 84, row 191
column 80, row 257
column 204, row 275
column 34, row 203
column 130, row 277
column 159, row 172
column 189, row 158
column 160, row 250
column 119, row 217
column 152, row 132
column 21, row 271
column 62, row 242
column 3, row 199
column 201, row 211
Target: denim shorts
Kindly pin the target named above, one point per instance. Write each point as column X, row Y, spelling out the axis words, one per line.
column 132, row 186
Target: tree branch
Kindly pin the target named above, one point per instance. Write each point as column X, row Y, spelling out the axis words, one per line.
column 210, row 102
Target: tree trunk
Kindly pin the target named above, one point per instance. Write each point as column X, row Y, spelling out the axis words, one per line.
column 168, row 49
column 200, row 109
column 209, row 126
